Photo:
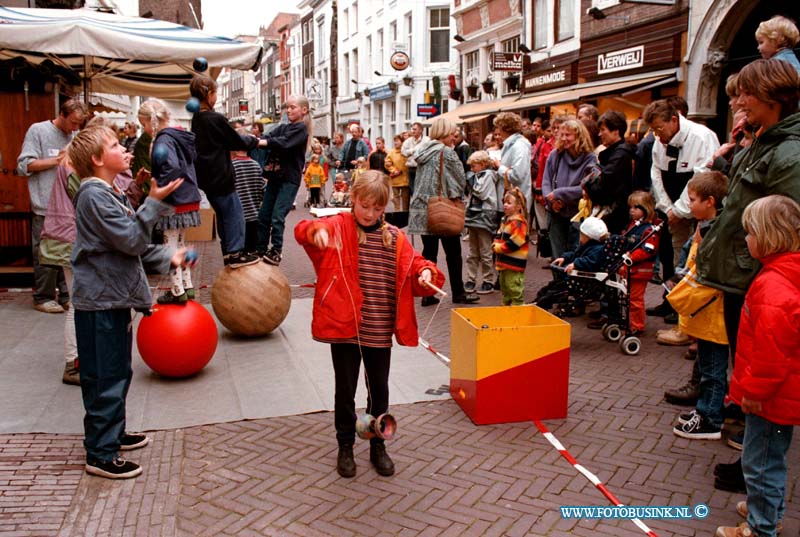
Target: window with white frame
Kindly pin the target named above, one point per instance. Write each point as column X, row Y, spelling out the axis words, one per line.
column 409, row 30
column 370, row 55
column 356, row 70
column 324, row 85
column 540, row 24
column 322, row 45
column 393, row 32
column 346, row 22
column 378, row 120
column 354, row 11
column 347, row 77
column 511, row 45
column 392, row 124
column 380, row 50
column 565, row 19
column 407, row 113
column 472, row 70
column 307, row 33
column 439, row 35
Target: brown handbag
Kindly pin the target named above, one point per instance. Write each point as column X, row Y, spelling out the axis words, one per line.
column 445, row 215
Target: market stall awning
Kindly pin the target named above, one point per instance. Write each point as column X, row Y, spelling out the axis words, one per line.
column 118, row 54
column 582, row 91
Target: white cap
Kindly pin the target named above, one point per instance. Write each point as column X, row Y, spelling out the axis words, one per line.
column 594, row 228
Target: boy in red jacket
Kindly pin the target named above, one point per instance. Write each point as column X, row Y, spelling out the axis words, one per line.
column 367, row 276
column 766, row 375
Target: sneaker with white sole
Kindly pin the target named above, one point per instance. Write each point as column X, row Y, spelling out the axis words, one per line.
column 239, row 259
column 131, row 441
column 273, row 257
column 486, row 288
column 686, row 417
column 113, row 469
column 697, row 428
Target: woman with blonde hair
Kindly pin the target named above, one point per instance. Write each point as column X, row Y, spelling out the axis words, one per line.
column 564, row 170
column 437, row 161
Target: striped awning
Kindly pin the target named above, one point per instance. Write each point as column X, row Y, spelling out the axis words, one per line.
column 118, row 54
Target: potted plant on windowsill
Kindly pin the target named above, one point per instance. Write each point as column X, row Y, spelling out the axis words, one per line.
column 472, row 89
column 488, row 85
column 512, row 81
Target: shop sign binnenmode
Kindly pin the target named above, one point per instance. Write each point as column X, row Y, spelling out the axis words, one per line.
column 620, row 60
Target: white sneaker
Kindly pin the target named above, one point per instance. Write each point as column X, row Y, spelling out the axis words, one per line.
column 51, row 306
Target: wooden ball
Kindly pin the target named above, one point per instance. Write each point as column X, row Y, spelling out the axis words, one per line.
column 252, row 300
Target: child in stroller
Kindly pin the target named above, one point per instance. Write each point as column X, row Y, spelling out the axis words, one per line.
column 600, row 275
column 340, row 197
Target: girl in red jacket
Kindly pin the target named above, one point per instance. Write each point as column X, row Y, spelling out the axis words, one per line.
column 367, row 276
column 766, row 376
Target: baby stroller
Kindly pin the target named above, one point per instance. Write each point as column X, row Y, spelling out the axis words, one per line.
column 568, row 293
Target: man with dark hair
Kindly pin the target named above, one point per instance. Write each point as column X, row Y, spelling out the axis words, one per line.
column 41, row 154
column 616, row 164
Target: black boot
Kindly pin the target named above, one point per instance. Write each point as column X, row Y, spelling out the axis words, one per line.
column 687, row 394
column 729, row 472
column 380, row 459
column 345, row 464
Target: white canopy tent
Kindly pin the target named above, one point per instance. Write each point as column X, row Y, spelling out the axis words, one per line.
column 117, row 54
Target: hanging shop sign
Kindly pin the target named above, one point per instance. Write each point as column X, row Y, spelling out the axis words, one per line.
column 399, row 60
column 620, row 60
column 381, row 93
column 507, row 61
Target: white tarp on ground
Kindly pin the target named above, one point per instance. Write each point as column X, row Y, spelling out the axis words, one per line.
column 118, row 54
column 285, row 373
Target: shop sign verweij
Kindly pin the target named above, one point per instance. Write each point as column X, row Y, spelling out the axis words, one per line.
column 620, row 60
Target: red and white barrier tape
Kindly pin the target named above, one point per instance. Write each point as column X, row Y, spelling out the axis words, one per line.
column 588, row 475
column 564, row 453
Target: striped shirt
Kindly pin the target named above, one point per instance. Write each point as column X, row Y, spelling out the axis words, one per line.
column 511, row 244
column 249, row 186
column 377, row 267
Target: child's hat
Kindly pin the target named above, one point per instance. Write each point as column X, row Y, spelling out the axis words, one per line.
column 594, row 228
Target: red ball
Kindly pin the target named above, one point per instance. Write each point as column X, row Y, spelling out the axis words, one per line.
column 177, row 340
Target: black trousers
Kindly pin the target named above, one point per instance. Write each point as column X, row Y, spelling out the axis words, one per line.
column 346, row 365
column 452, row 252
column 732, row 311
column 665, row 252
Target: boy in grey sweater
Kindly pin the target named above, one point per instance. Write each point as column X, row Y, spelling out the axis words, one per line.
column 112, row 247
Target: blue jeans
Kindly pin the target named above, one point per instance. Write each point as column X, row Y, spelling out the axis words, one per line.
column 105, row 340
column 764, row 466
column 712, row 360
column 230, row 222
column 563, row 235
column 278, row 199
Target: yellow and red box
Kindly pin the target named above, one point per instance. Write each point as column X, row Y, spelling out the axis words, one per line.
column 509, row 363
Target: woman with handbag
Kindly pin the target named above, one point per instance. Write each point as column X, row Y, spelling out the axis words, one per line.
column 561, row 184
column 436, row 210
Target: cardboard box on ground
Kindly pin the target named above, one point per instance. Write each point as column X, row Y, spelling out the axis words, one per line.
column 206, row 231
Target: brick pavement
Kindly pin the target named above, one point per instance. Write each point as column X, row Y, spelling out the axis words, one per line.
column 276, row 476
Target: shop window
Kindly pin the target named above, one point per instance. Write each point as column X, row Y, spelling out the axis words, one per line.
column 471, row 68
column 439, row 34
